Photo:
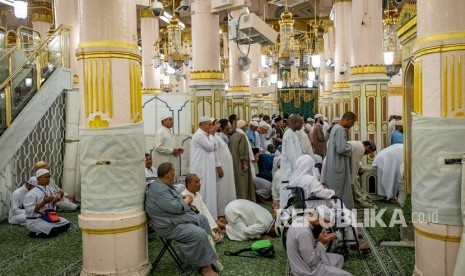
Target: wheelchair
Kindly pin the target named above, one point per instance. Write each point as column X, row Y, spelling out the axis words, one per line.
column 295, row 208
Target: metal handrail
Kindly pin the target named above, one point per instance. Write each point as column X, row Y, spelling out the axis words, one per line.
column 6, row 36
column 36, row 54
column 33, row 55
column 18, row 35
column 7, row 54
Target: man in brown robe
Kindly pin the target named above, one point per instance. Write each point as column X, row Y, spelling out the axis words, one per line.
column 241, row 152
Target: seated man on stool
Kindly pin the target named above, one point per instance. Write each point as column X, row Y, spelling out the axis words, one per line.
column 192, row 189
column 306, row 245
column 173, row 219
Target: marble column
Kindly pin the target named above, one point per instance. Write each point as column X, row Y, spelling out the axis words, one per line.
column 41, row 18
column 326, row 95
column 238, row 97
column 343, row 27
column 439, row 53
column 113, row 222
column 206, row 79
column 67, row 13
column 149, row 33
column 368, row 79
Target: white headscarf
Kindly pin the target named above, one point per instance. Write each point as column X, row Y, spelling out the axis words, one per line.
column 304, row 177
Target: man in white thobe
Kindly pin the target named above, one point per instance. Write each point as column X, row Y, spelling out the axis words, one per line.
column 150, row 172
column 263, row 132
column 192, row 188
column 66, row 202
column 360, row 149
column 291, row 150
column 387, row 163
column 17, row 213
column 203, row 162
column 305, row 142
column 164, row 146
column 247, row 220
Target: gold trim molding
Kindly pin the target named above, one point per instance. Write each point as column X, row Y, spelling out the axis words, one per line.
column 42, row 17
column 258, row 96
column 440, row 37
column 439, row 49
column 341, row 85
column 395, row 90
column 368, row 69
column 238, row 88
column 407, row 27
column 113, row 231
column 146, row 13
column 108, row 54
column 438, row 237
column 340, row 1
column 109, row 43
column 207, row 75
column 328, row 93
column 151, row 90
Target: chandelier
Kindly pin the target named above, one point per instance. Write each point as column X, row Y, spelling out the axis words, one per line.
column 175, row 52
column 391, row 44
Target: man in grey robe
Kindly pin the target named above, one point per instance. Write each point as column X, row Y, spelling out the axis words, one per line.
column 306, row 254
column 172, row 218
column 337, row 173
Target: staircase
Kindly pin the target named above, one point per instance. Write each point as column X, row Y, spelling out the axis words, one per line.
column 32, row 111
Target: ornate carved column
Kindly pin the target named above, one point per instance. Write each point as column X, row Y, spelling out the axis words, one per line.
column 256, row 104
column 112, row 220
column 149, row 33
column 369, row 83
column 439, row 73
column 206, row 79
column 41, row 17
column 342, row 55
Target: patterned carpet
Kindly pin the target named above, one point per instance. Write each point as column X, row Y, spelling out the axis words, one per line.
column 21, row 255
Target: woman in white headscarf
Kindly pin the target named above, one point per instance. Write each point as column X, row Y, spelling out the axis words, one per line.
column 304, row 177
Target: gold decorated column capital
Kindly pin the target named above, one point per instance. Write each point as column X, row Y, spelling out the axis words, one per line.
column 368, row 69
column 207, row 75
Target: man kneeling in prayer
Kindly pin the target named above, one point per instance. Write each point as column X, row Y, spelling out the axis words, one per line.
column 247, row 220
column 173, row 219
column 306, row 245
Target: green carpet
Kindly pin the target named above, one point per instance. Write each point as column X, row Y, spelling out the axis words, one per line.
column 22, row 255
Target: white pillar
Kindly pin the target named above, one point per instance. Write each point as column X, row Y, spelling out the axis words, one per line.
column 439, row 74
column 206, row 79
column 112, row 220
column 149, row 33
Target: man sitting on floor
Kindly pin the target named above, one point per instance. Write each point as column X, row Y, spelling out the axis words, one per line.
column 66, row 202
column 17, row 214
column 247, row 220
column 306, row 253
column 192, row 189
column 173, row 219
column 37, row 202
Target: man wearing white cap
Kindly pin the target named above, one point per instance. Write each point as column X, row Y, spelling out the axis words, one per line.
column 17, row 213
column 37, row 202
column 306, row 254
column 398, row 134
column 203, row 162
column 263, row 128
column 164, row 146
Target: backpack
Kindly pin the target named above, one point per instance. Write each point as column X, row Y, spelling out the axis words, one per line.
column 261, row 248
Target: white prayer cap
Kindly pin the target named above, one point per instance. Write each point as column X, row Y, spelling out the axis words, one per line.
column 264, row 124
column 204, row 119
column 325, row 119
column 41, row 172
column 256, row 119
column 318, row 116
column 254, row 123
column 166, row 116
column 241, row 123
column 310, row 119
column 212, row 120
column 325, row 212
column 32, row 180
column 336, row 120
column 399, row 123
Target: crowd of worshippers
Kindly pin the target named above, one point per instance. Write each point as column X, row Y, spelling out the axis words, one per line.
column 236, row 164
column 36, row 203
